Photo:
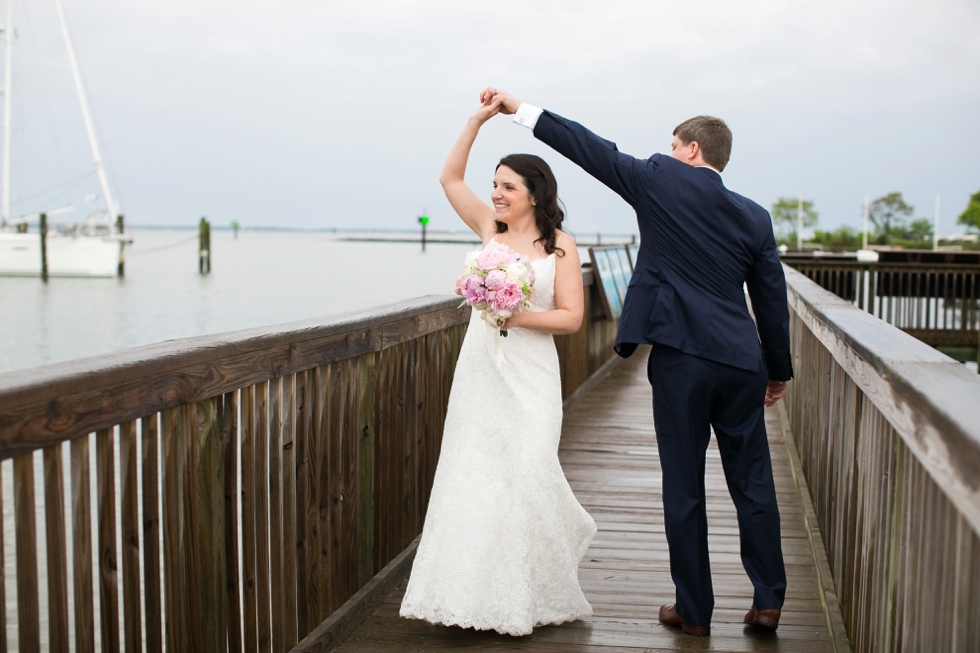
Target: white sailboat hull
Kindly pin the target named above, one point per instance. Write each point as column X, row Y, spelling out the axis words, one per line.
column 68, row 256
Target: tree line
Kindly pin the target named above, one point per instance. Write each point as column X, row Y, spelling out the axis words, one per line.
column 892, row 222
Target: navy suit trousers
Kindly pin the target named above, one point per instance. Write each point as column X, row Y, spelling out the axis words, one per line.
column 692, row 395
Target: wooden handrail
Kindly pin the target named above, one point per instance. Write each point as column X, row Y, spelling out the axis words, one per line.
column 887, row 434
column 54, row 403
column 930, row 399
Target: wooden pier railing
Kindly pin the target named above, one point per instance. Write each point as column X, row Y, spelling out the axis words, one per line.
column 229, row 492
column 887, row 431
column 935, row 302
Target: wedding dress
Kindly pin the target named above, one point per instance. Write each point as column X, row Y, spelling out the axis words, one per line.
column 503, row 535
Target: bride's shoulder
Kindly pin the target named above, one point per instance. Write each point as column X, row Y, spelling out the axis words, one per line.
column 566, row 250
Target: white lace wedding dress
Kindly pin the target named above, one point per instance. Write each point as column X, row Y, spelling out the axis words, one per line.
column 503, row 535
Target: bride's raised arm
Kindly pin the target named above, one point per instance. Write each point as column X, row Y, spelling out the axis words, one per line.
column 477, row 214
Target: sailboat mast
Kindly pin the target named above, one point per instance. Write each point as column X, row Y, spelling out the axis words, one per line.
column 8, row 29
column 76, row 74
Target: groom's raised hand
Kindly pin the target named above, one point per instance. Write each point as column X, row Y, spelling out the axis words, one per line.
column 509, row 104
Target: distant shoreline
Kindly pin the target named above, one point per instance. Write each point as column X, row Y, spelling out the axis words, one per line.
column 338, row 230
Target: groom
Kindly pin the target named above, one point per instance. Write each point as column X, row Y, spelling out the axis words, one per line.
column 700, row 243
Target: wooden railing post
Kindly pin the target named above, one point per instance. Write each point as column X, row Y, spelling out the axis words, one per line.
column 108, row 542
column 149, row 434
column 54, row 501
column 81, row 524
column 172, row 466
column 204, row 528
column 366, row 366
column 289, row 636
column 28, row 614
column 3, row 579
column 130, row 551
column 229, row 437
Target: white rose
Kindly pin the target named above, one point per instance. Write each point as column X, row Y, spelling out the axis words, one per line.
column 516, row 272
column 471, row 259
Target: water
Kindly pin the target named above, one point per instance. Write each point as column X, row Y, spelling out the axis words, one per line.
column 261, row 278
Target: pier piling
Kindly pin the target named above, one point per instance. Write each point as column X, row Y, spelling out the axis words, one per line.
column 44, row 247
column 120, row 228
column 204, row 249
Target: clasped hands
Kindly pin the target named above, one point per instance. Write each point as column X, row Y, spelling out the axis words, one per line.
column 494, row 101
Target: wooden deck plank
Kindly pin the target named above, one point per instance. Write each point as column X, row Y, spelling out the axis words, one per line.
column 609, row 455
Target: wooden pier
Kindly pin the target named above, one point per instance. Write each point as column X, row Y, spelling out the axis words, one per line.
column 609, row 454
column 261, row 491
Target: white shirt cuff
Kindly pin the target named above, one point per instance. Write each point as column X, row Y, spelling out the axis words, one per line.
column 527, row 115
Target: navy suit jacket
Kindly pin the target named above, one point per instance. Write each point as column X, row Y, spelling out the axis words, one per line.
column 700, row 243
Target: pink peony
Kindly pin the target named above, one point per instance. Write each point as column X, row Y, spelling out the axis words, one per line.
column 495, row 255
column 473, row 290
column 459, row 283
column 507, row 298
column 495, row 279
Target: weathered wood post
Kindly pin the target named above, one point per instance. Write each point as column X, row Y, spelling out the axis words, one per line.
column 204, row 248
column 120, row 228
column 44, row 247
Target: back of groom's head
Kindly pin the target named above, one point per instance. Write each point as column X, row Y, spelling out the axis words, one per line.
column 713, row 137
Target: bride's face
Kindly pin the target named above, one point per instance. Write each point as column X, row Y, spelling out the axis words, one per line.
column 511, row 199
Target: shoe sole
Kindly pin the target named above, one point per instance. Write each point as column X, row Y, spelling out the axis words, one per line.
column 697, row 631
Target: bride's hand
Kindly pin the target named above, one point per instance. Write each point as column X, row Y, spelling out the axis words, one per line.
column 510, row 103
column 486, row 111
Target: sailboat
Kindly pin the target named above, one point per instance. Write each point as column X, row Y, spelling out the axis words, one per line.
column 92, row 249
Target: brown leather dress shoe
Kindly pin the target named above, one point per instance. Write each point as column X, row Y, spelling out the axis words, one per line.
column 768, row 619
column 669, row 617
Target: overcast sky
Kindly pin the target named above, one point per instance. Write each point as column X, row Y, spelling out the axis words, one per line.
column 339, row 114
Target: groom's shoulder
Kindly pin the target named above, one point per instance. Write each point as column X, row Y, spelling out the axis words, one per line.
column 748, row 205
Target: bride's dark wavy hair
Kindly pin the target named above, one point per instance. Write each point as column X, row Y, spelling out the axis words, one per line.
column 548, row 209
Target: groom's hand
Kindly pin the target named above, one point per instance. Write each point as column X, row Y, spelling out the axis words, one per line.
column 509, row 104
column 774, row 392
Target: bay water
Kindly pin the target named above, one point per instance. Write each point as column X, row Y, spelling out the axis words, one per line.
column 260, row 278
column 257, row 279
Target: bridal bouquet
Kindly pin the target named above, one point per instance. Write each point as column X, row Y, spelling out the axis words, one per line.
column 497, row 282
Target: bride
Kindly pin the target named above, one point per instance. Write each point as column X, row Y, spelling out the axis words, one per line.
column 504, row 535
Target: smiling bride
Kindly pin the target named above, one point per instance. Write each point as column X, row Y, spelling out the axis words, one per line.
column 504, row 535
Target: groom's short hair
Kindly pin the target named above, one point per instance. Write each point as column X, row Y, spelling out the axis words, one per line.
column 713, row 137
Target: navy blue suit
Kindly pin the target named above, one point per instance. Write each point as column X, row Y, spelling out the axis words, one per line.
column 710, row 361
